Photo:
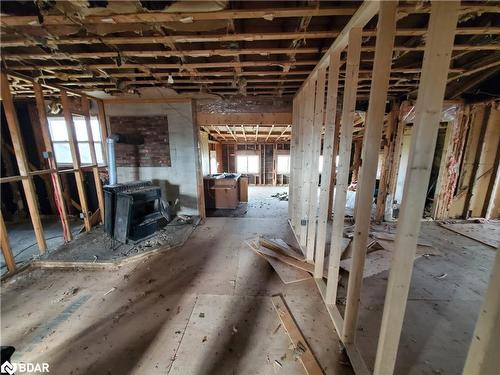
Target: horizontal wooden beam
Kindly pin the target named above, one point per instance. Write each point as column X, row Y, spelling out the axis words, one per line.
column 190, row 17
column 215, row 52
column 239, row 37
column 226, row 64
column 158, row 53
column 242, row 118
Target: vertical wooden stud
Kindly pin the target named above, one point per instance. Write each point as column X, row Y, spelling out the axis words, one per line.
column 436, row 62
column 328, row 161
column 22, row 162
column 75, row 155
column 306, row 161
column 319, row 109
column 386, row 30
column 6, row 249
column 347, row 123
column 56, row 180
column 101, row 115
column 483, row 357
column 93, row 157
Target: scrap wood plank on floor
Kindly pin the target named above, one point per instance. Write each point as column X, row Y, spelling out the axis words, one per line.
column 487, row 233
column 378, row 261
column 301, row 346
column 277, row 244
column 286, row 273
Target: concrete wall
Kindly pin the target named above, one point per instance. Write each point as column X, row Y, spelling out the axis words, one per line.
column 180, row 179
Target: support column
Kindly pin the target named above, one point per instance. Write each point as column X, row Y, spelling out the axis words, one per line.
column 101, row 115
column 386, row 29
column 328, row 162
column 436, row 62
column 22, row 162
column 75, row 155
column 483, row 355
column 56, row 180
column 93, row 158
column 319, row 109
column 389, row 147
column 6, row 249
column 306, row 159
column 347, row 123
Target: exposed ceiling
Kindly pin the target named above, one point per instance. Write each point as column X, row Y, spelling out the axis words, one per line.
column 223, row 48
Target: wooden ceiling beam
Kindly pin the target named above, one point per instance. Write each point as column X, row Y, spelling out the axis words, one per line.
column 237, row 37
column 268, row 14
column 243, row 118
column 155, row 54
column 226, row 64
column 219, row 52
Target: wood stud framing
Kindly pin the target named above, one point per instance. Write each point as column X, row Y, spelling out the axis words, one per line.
column 95, row 169
column 348, row 106
column 442, row 25
column 328, row 161
column 371, row 145
column 75, row 155
column 435, row 70
column 22, row 162
column 56, row 180
column 319, row 108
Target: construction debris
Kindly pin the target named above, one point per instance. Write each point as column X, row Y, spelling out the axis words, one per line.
column 301, row 349
column 281, row 196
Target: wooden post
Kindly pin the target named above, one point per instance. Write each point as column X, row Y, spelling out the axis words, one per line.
column 398, row 144
column 388, row 162
column 22, row 162
column 319, row 110
column 297, row 165
column 328, row 161
column 436, row 62
column 6, row 249
column 56, row 180
column 356, row 162
column 93, row 158
column 386, row 29
column 199, row 171
column 483, row 355
column 75, row 155
column 101, row 115
column 306, row 159
column 292, row 177
column 333, row 178
column 347, row 121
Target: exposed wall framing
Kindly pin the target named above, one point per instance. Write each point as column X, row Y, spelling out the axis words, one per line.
column 438, row 52
column 52, row 171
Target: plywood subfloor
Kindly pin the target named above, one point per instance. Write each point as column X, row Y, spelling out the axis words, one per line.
column 151, row 317
column 487, row 233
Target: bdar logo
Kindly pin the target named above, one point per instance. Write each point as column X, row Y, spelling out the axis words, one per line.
column 7, row 368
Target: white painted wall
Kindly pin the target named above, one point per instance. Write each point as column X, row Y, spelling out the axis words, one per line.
column 178, row 180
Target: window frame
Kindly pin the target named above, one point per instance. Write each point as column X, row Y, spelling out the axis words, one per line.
column 246, row 154
column 100, row 161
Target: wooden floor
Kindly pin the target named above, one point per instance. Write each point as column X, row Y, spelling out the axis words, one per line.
column 205, row 308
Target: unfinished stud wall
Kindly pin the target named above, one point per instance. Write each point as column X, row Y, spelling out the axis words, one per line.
column 268, row 161
column 179, row 179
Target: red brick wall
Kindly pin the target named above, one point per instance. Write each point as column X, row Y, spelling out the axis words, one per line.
column 154, row 152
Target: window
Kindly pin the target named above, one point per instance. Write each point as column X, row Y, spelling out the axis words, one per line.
column 248, row 164
column 60, row 139
column 283, row 164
